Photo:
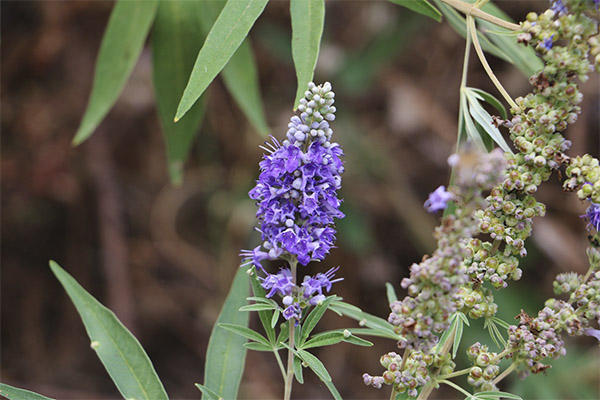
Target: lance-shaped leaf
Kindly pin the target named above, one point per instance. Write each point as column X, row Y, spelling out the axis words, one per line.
column 122, row 355
column 176, row 40
column 313, row 318
column 484, row 119
column 240, row 74
column 226, row 354
column 308, row 17
column 13, row 393
column 420, row 6
column 121, row 46
column 228, row 32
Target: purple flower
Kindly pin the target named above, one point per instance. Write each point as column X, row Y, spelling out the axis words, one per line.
column 278, row 283
column 592, row 214
column 296, row 191
column 547, row 43
column 438, row 200
column 319, row 282
column 559, row 8
column 292, row 311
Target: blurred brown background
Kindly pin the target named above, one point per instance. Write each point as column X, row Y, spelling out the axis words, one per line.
column 162, row 257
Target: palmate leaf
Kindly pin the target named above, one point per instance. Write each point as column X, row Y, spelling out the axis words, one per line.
column 420, row 6
column 120, row 352
column 226, row 353
column 13, row 393
column 227, row 33
column 121, row 46
column 173, row 55
column 308, row 17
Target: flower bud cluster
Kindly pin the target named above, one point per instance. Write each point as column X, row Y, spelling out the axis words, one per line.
column 296, row 191
column 434, row 284
column 297, row 297
column 477, row 303
column 583, row 175
column 485, row 368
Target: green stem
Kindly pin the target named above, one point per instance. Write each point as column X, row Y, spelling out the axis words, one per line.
column 474, row 11
column 429, row 386
column 505, row 373
column 455, row 386
column 473, row 30
column 280, row 363
column 455, row 373
column 394, row 393
column 289, row 379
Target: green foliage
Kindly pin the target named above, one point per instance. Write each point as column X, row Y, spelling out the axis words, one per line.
column 13, row 393
column 122, row 355
column 422, row 7
column 121, row 46
column 173, row 55
column 226, row 353
column 308, row 17
column 226, row 35
column 379, row 326
column 470, row 101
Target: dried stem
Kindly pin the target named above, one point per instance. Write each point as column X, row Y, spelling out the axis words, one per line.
column 474, row 11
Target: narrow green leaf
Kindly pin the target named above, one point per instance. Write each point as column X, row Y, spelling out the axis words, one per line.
column 315, row 364
column 422, row 7
column 226, row 354
column 497, row 394
column 446, row 333
column 258, row 346
column 464, row 318
column 323, row 339
column 13, row 393
column 313, row 318
column 457, row 336
column 173, row 55
column 493, row 101
column 210, row 395
column 240, row 74
column 501, row 322
column 484, row 119
column 260, row 300
column 357, row 341
column 228, row 32
column 298, row 369
column 372, row 332
column 391, row 293
column 332, row 389
column 121, row 46
column 308, row 17
column 258, row 307
column 245, row 332
column 121, row 353
column 265, row 316
column 469, row 125
column 284, row 330
column 364, row 318
column 275, row 318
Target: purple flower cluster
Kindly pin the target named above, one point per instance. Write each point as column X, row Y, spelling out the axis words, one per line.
column 296, row 191
column 592, row 214
column 559, row 7
column 311, row 291
column 438, row 200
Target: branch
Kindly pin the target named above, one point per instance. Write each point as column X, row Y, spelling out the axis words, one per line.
column 470, row 9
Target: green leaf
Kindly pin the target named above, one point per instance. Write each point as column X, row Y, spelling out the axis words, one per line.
column 323, row 339
column 484, row 119
column 457, row 335
column 266, row 316
column 496, row 395
column 308, row 17
column 245, row 332
column 422, row 7
column 121, row 46
column 13, row 393
column 493, row 101
column 228, row 32
column 210, row 395
column 283, row 334
column 173, row 55
column 391, row 293
column 298, row 369
column 258, row 307
column 365, row 319
column 258, row 346
column 334, row 392
column 275, row 318
column 357, row 341
column 313, row 318
column 226, row 354
column 469, row 125
column 315, row 364
column 122, row 355
column 240, row 74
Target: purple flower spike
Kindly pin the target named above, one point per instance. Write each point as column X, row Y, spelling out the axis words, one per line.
column 592, row 214
column 438, row 200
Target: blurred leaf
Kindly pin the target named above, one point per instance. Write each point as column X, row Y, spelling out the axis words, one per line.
column 492, row 395
column 422, row 7
column 313, row 318
column 13, row 393
column 122, row 355
column 391, row 293
column 258, row 307
column 121, row 46
column 265, row 316
column 173, row 55
column 298, row 369
column 484, row 119
column 308, row 17
column 226, row 354
column 228, row 32
column 240, row 74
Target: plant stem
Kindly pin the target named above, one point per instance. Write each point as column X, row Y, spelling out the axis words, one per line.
column 455, row 373
column 505, row 373
column 289, row 379
column 280, row 363
column 473, row 30
column 455, row 386
column 429, row 386
column 474, row 11
column 394, row 393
